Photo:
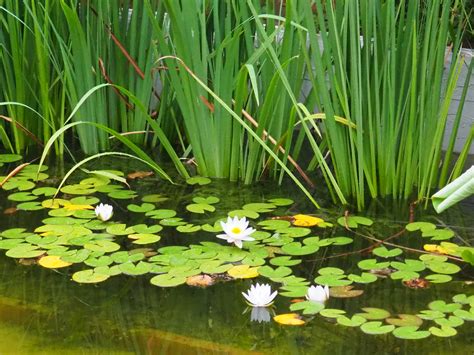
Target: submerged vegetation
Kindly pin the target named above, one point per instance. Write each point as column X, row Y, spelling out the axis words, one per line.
column 243, row 90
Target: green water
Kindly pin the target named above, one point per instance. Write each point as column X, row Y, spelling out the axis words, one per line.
column 44, row 312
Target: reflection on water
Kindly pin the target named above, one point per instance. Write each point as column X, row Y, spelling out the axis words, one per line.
column 44, row 312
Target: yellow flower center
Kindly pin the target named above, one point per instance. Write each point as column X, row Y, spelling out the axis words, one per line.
column 236, row 230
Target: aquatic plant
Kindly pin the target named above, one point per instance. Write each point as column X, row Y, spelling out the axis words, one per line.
column 104, row 212
column 260, row 295
column 236, row 231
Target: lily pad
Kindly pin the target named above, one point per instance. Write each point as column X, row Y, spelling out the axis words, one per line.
column 345, row 291
column 438, row 234
column 289, row 319
column 294, row 232
column 437, row 278
column 422, row 226
column 410, row 332
column 274, row 224
column 332, row 280
column 372, row 313
column 22, row 197
column 9, row 158
column 376, row 328
column 143, row 228
column 143, row 208
column 451, row 321
column 198, row 180
column 188, row 228
column 259, row 207
column 354, row 321
column 200, row 208
column 444, row 268
column 243, row 213
column 364, row 278
column 102, row 245
column 296, row 248
column 405, row 320
column 24, row 251
column 303, row 220
column 444, row 307
column 443, row 332
column 154, row 198
column 284, row 261
column 210, row 200
column 140, row 268
column 144, row 238
column 280, row 271
column 354, row 221
column 53, row 262
column 308, row 307
column 243, row 272
column 463, row 314
column 332, row 313
column 372, row 264
column 161, row 214
column 386, row 253
column 330, row 271
column 89, row 276
column 281, row 201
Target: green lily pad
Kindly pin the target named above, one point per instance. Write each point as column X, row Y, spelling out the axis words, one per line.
column 404, row 320
column 172, row 222
column 280, row 271
column 23, row 251
column 444, row 267
column 340, row 240
column 9, row 158
column 308, row 307
column 438, row 279
column 38, row 240
column 354, row 221
column 102, row 245
column 214, row 267
column 281, row 201
column 463, row 299
column 144, row 238
column 44, row 191
column 20, row 184
column 210, row 200
column 364, row 278
column 121, row 257
column 78, row 189
column 372, row 313
column 410, row 332
column 243, row 213
column 200, row 208
column 429, row 258
column 154, row 198
column 122, row 194
column 172, row 249
column 444, row 307
column 89, row 276
column 376, row 328
column 166, row 280
column 284, row 261
column 198, row 180
column 372, row 264
column 451, row 321
column 354, row 321
column 293, row 291
column 430, row 314
column 216, row 228
column 296, row 248
column 438, row 234
column 463, row 314
column 409, row 265
column 98, row 261
column 332, row 280
column 443, row 332
column 386, row 253
column 188, row 228
column 294, row 232
column 134, row 270
column 330, row 271
column 422, row 226
column 253, row 261
column 274, row 224
column 161, row 214
column 108, row 270
column 259, row 207
column 332, row 313
column 143, row 228
column 22, row 197
column 29, row 206
column 119, row 229
column 404, row 275
column 78, row 256
column 15, row 233
column 143, row 208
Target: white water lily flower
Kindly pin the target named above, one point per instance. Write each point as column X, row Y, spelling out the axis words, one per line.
column 318, row 294
column 260, row 295
column 104, row 212
column 260, row 314
column 236, row 230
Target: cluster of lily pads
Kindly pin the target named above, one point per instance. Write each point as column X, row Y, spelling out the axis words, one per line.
column 76, row 233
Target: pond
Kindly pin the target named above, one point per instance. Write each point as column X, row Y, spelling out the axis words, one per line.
column 126, row 304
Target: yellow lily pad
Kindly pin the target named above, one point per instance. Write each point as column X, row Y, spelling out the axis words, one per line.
column 53, row 262
column 303, row 220
column 289, row 319
column 243, row 272
column 78, row 207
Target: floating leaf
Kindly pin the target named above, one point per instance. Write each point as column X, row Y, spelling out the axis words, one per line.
column 409, row 265
column 293, row 290
column 53, row 262
column 22, row 197
column 463, row 314
column 330, row 271
column 332, row 313
column 376, row 328
column 89, row 276
column 303, row 220
column 172, row 222
column 200, row 208
column 210, row 200
column 55, row 203
column 243, row 213
column 405, row 320
column 332, row 280
column 215, row 267
column 410, row 332
column 296, row 248
column 372, row 264
column 154, row 198
column 444, row 268
column 422, row 226
column 243, row 272
column 443, row 332
column 259, row 207
column 354, row 321
column 430, row 314
column 161, row 214
column 438, row 234
column 280, row 271
column 344, row 292
column 274, row 224
column 9, row 158
column 308, row 307
column 18, row 183
column 294, row 232
column 29, row 206
column 105, row 246
column 464, row 299
column 78, row 189
column 404, row 275
column 143, row 228
column 140, row 268
column 188, row 228
column 281, row 201
column 289, row 319
column 24, row 251
column 143, row 208
column 452, row 321
column 198, row 180
column 284, row 261
column 386, row 253
column 339, row 240
column 364, row 278
column 354, row 221
column 444, row 307
column 144, row 238
column 167, row 280
column 372, row 313
column 122, row 194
